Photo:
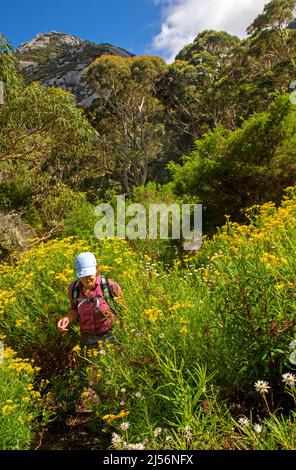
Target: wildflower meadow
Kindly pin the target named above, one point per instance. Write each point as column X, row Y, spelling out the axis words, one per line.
column 205, row 346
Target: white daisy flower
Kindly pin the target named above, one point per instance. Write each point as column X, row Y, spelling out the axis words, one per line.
column 157, row 431
column 138, row 446
column 116, row 440
column 124, row 426
column 244, row 422
column 289, row 379
column 262, row 387
column 257, row 428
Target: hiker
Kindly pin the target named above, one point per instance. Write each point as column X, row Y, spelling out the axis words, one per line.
column 91, row 301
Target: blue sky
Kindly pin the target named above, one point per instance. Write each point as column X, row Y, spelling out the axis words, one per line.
column 160, row 27
column 126, row 23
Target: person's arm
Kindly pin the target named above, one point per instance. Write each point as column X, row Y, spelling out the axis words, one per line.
column 71, row 316
column 115, row 289
column 63, row 323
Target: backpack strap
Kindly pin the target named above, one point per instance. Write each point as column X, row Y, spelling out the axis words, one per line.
column 75, row 292
column 106, row 288
column 107, row 294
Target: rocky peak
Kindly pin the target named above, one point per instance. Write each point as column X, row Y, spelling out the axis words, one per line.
column 43, row 40
column 57, row 59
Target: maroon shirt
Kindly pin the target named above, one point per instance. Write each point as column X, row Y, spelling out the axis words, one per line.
column 94, row 317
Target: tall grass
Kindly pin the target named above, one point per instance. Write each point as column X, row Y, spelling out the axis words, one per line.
column 20, row 402
column 192, row 341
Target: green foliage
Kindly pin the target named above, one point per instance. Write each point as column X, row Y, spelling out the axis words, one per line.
column 17, row 187
column 8, row 65
column 43, row 121
column 162, row 250
column 66, row 388
column 219, row 80
column 232, row 303
column 127, row 115
column 62, row 207
column 20, row 404
column 208, row 45
column 236, row 309
column 276, row 14
column 228, row 172
column 44, row 204
column 273, row 433
column 36, row 121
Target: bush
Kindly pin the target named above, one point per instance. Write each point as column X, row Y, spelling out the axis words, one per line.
column 64, row 208
column 20, row 404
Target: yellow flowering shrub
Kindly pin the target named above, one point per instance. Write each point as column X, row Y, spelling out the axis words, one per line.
column 19, row 402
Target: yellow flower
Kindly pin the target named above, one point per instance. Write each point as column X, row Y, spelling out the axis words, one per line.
column 8, row 409
column 36, row 394
column 9, row 353
column 110, row 418
column 215, row 256
column 259, row 235
column 271, row 260
column 19, row 365
column 26, row 399
column 20, row 322
column 129, row 272
column 184, row 330
column 92, row 353
column 61, row 277
column 188, row 304
column 103, row 267
column 153, row 314
column 175, row 307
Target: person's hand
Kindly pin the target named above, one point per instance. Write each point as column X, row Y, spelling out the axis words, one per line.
column 63, row 324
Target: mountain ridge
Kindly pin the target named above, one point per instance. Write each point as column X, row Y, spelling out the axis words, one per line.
column 59, row 59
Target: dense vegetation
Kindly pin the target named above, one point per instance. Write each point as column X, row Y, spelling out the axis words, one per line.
column 206, row 343
column 193, row 339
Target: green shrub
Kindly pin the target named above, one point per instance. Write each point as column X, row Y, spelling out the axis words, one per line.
column 20, row 404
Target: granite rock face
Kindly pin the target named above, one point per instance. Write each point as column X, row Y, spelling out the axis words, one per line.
column 57, row 59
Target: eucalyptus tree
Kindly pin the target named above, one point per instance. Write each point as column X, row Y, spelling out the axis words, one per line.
column 127, row 115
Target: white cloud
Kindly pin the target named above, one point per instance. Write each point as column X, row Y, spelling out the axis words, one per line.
column 184, row 19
